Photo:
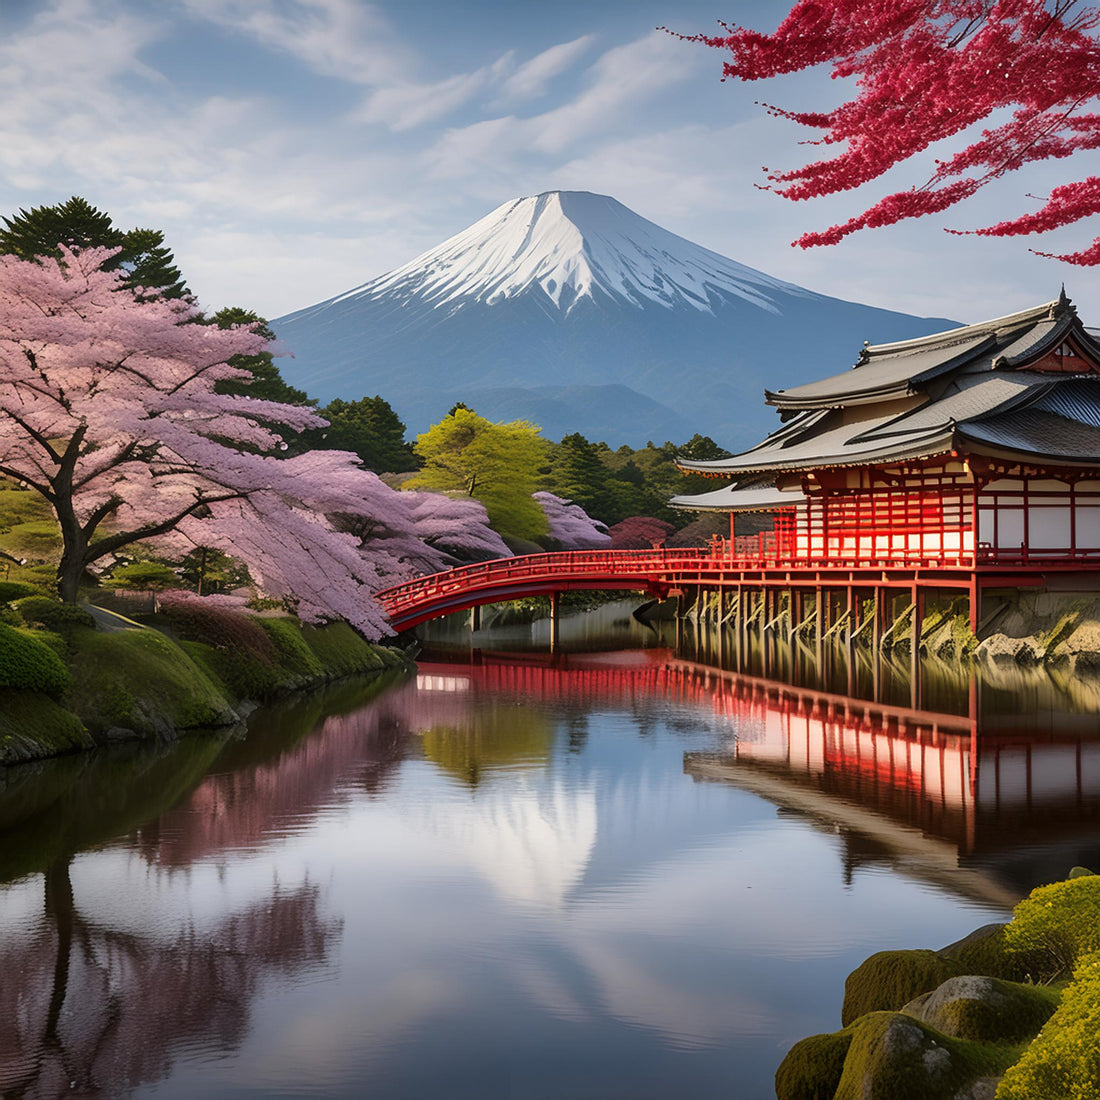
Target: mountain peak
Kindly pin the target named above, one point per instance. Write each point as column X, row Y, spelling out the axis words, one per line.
column 567, row 246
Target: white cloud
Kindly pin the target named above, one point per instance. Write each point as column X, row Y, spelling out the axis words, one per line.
column 347, row 39
column 404, row 106
column 530, row 80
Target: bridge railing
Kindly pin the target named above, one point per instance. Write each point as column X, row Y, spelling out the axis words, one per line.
column 611, row 563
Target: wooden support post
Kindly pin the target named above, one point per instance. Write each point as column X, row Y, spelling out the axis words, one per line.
column 876, row 625
column 819, row 628
column 554, row 637
column 475, row 618
column 975, row 604
column 917, row 600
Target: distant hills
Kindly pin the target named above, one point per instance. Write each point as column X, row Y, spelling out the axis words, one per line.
column 570, row 310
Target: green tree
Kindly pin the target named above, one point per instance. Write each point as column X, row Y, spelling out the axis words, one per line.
column 371, row 429
column 266, row 383
column 496, row 463
column 577, row 474
column 142, row 254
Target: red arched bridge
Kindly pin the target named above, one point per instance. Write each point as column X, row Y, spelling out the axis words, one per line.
column 759, row 563
column 657, row 572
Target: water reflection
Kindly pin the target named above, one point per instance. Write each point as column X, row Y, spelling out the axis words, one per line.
column 622, row 873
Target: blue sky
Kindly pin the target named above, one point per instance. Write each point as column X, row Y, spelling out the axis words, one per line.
column 292, row 149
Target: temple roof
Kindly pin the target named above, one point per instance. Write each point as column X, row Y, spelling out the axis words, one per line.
column 734, row 498
column 1000, row 384
column 893, row 370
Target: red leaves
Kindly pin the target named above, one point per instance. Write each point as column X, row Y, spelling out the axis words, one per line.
column 925, row 71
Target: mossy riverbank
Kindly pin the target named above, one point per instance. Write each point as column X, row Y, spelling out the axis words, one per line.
column 71, row 681
column 1010, row 1012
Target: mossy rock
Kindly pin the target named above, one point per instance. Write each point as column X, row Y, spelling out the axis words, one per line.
column 891, row 979
column 813, row 1067
column 985, row 951
column 985, row 1009
column 33, row 726
column 895, row 1057
column 1079, row 872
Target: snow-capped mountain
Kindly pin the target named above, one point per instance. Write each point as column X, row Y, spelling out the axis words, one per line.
column 569, row 309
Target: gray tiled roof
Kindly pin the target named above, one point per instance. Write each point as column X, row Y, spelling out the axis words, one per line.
column 732, row 498
column 917, row 398
column 881, row 377
column 1036, row 433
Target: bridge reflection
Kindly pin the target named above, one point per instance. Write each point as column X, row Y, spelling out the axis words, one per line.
column 971, row 784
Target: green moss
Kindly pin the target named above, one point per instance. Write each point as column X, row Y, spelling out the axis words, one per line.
column 341, row 651
column 295, row 658
column 1057, row 924
column 986, row 1009
column 142, row 681
column 894, row 1057
column 241, row 675
column 890, row 979
column 1064, row 1060
column 28, row 664
column 986, row 952
column 813, row 1067
column 33, row 726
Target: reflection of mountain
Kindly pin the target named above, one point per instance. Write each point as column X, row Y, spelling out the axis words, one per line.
column 531, row 842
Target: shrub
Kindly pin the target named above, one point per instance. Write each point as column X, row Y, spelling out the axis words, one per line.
column 54, row 615
column 890, row 979
column 1055, row 925
column 198, row 621
column 1064, row 1059
column 29, row 664
column 14, row 590
column 143, row 576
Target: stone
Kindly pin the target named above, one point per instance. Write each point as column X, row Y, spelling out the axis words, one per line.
column 983, row 1009
column 895, row 1057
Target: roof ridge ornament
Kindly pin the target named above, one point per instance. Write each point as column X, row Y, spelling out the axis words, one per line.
column 1062, row 304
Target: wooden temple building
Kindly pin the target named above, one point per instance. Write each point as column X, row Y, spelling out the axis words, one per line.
column 967, row 460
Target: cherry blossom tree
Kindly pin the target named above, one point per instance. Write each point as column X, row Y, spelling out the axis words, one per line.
column 929, row 70
column 639, row 533
column 571, row 527
column 110, row 409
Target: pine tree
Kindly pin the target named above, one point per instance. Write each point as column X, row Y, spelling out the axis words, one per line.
column 371, row 429
column 77, row 225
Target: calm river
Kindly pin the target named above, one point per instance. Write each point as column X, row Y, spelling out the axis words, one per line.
column 616, row 872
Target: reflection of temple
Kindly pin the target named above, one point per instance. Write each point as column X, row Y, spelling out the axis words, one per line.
column 908, row 780
column 939, row 790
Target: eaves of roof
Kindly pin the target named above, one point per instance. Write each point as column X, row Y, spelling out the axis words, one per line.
column 732, row 498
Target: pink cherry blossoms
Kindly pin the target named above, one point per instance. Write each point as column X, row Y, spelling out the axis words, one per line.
column 925, row 71
column 571, row 527
column 109, row 410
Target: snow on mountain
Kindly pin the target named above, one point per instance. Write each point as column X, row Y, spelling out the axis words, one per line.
column 572, row 245
column 570, row 309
